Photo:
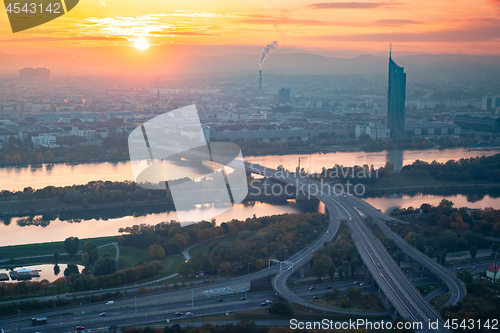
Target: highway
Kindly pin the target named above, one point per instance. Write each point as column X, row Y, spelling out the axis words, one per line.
column 156, row 307
column 405, row 298
column 455, row 286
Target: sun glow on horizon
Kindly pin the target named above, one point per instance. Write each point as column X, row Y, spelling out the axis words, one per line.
column 141, row 44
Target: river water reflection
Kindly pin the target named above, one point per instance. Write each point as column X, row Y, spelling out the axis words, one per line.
column 17, row 231
column 39, row 176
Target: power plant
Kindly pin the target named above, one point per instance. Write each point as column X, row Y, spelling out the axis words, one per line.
column 267, row 49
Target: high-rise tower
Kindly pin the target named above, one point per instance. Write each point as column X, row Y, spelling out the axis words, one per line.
column 396, row 99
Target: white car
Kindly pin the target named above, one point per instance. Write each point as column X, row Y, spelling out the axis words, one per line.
column 110, row 302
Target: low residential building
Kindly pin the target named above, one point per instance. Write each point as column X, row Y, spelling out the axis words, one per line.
column 44, row 140
column 375, row 131
column 89, row 135
column 491, row 273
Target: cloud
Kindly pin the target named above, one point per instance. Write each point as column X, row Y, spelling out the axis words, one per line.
column 180, row 33
column 350, row 5
column 394, row 23
column 64, row 39
column 291, row 21
column 274, row 20
column 473, row 34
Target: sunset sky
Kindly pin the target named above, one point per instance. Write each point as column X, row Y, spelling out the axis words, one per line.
column 423, row 26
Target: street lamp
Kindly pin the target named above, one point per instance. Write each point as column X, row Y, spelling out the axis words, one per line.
column 218, row 271
column 248, row 268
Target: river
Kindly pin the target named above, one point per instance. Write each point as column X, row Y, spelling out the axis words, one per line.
column 14, row 231
column 39, row 176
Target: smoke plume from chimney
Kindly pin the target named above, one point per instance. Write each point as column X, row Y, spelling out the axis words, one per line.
column 266, row 51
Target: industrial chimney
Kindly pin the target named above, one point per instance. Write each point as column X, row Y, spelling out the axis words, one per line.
column 260, row 80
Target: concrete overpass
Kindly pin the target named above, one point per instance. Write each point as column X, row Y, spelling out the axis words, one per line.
column 405, row 298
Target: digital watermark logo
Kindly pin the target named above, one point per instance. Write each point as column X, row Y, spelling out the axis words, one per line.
column 27, row 14
column 164, row 151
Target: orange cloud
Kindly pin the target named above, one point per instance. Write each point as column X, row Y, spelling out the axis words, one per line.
column 351, row 5
column 57, row 39
column 477, row 34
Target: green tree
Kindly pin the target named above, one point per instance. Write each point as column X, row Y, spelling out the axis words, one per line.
column 354, row 263
column 71, row 269
column 71, row 245
column 57, row 269
column 185, row 269
column 319, row 268
column 465, row 276
column 473, row 251
column 332, row 295
column 85, row 259
column 341, row 271
column 281, row 308
column 92, row 251
column 331, row 271
column 56, row 257
column 105, row 266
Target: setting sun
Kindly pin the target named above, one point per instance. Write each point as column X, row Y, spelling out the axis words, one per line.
column 141, row 44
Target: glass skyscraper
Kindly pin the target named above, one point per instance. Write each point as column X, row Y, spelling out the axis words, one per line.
column 396, row 99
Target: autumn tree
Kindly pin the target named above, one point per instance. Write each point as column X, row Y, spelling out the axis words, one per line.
column 155, row 251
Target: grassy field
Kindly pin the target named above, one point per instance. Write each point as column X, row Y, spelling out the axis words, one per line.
column 427, row 289
column 133, row 255
column 33, row 250
column 172, row 264
column 439, row 301
column 108, row 250
column 202, row 248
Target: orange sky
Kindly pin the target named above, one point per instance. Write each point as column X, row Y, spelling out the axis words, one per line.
column 417, row 26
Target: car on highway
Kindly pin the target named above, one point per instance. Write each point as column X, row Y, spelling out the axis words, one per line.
column 178, row 313
column 103, row 314
column 311, row 288
column 110, row 302
column 355, row 282
column 315, row 297
column 219, row 299
column 242, row 298
column 269, row 301
column 328, row 287
column 80, row 328
column 189, row 314
column 263, row 304
column 361, row 284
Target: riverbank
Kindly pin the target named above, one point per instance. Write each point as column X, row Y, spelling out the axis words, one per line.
column 306, row 150
column 399, row 183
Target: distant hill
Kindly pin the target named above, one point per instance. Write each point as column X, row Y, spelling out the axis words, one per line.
column 165, row 60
